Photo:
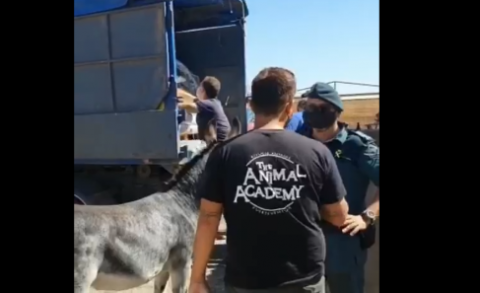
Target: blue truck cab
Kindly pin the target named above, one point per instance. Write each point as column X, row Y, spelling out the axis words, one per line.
column 126, row 123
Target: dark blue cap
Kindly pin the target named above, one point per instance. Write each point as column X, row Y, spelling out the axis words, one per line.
column 326, row 93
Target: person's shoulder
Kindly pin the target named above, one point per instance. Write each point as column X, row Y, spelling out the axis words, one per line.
column 295, row 122
column 304, row 129
column 358, row 138
column 298, row 115
column 207, row 104
column 299, row 140
column 215, row 103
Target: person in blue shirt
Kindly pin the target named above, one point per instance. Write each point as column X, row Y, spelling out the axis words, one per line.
column 296, row 121
column 358, row 160
column 301, row 104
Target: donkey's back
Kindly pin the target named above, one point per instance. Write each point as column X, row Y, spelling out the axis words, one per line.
column 125, row 246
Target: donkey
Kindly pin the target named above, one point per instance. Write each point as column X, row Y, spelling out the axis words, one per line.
column 120, row 247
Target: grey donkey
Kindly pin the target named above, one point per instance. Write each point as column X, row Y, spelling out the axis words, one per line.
column 120, row 247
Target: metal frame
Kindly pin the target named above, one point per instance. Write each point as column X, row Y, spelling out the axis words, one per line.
column 335, row 82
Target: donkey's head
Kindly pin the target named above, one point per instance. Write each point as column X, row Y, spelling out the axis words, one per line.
column 187, row 176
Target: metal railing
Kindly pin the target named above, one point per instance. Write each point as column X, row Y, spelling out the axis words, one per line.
column 336, row 82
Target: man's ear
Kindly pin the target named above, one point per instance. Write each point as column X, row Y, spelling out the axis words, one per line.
column 290, row 109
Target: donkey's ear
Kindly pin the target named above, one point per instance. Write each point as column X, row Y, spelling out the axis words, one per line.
column 236, row 127
column 211, row 133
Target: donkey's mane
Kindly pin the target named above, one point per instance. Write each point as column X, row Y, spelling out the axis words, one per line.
column 178, row 175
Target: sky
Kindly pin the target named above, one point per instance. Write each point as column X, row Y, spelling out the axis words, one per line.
column 319, row 40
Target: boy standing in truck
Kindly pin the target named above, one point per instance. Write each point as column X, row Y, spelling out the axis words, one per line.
column 207, row 106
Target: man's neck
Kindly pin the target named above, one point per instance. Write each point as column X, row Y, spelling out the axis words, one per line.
column 328, row 134
column 268, row 123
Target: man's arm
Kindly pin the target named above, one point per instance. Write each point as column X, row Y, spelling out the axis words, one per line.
column 333, row 207
column 207, row 228
column 211, row 208
column 369, row 164
column 186, row 101
column 335, row 213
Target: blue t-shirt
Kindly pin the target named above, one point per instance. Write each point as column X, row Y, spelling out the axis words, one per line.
column 250, row 116
column 295, row 122
column 212, row 109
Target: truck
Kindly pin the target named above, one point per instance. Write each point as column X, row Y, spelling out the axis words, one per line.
column 126, row 55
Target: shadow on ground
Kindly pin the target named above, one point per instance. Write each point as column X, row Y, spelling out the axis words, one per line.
column 216, row 268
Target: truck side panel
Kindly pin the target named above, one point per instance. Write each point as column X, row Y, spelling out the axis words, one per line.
column 117, row 136
column 218, row 52
column 120, row 60
column 121, row 76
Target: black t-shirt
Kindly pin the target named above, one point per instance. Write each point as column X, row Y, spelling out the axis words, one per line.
column 272, row 184
column 208, row 110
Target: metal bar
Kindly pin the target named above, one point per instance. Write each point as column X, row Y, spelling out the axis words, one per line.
column 343, row 82
column 125, row 59
column 118, row 11
column 110, row 65
column 205, row 29
column 170, row 101
column 353, row 83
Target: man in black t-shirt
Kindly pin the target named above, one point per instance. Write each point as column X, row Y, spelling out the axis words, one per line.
column 274, row 187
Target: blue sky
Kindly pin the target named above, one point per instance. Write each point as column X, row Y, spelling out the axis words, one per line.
column 319, row 40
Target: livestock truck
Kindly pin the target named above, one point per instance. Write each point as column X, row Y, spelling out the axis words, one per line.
column 126, row 121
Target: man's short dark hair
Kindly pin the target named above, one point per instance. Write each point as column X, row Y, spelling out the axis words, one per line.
column 211, row 86
column 272, row 89
column 301, row 104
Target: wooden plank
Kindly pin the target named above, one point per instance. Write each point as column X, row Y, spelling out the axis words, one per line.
column 360, row 111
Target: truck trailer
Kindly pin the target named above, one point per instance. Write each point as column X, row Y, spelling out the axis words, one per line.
column 126, row 121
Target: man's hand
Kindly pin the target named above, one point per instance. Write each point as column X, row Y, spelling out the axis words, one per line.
column 198, row 287
column 182, row 104
column 186, row 101
column 185, row 97
column 354, row 224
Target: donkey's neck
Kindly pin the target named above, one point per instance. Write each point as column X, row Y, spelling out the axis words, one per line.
column 185, row 187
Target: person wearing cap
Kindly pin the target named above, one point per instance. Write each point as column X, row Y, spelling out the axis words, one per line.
column 358, row 160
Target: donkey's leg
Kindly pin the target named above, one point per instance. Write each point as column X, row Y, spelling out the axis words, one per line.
column 160, row 282
column 85, row 272
column 180, row 273
column 83, row 281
